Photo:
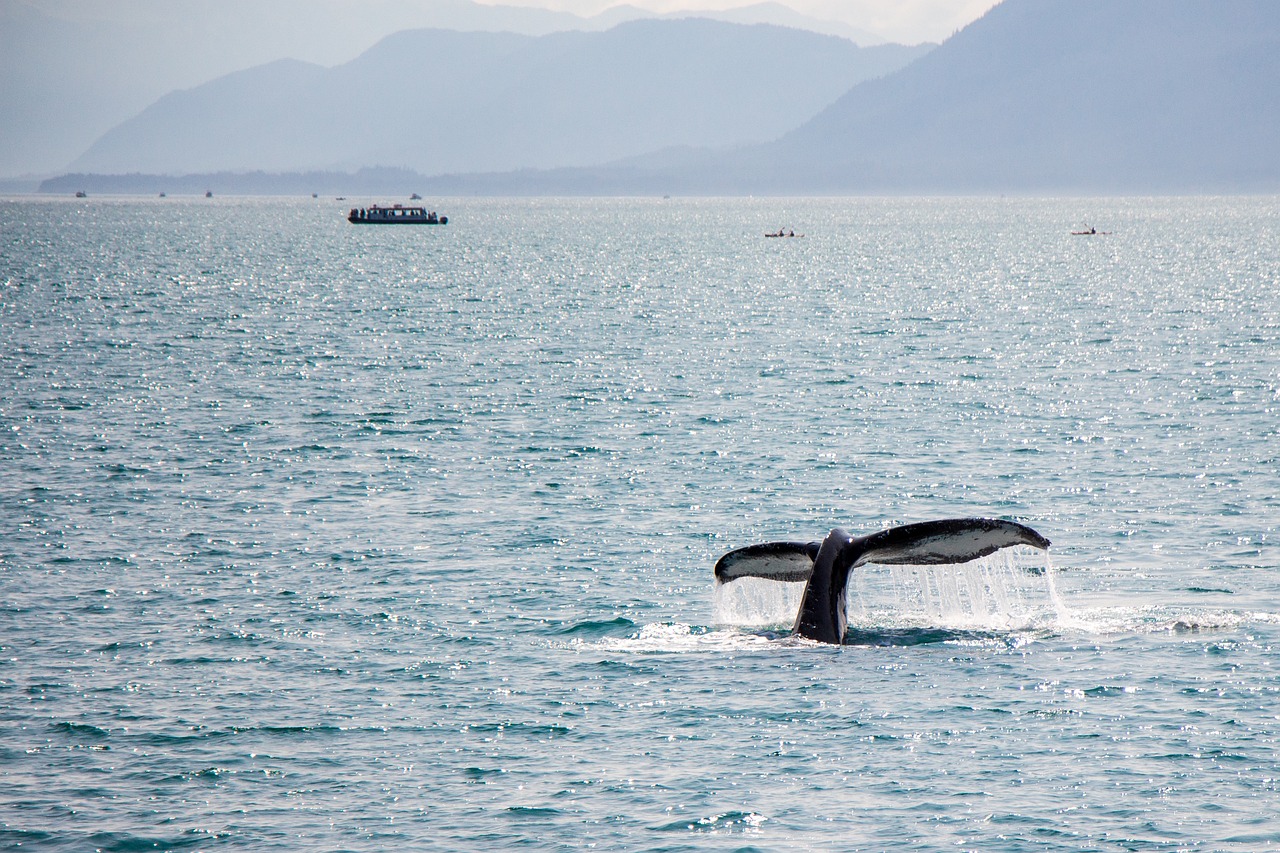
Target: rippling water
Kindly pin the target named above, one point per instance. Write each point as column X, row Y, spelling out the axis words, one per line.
column 322, row 537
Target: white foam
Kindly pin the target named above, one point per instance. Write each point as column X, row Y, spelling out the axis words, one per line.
column 677, row 637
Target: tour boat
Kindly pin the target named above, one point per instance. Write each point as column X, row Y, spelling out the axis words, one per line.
column 397, row 215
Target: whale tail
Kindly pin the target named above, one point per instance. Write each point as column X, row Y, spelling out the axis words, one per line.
column 951, row 540
column 825, row 566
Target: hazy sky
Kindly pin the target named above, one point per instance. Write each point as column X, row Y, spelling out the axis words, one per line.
column 909, row 21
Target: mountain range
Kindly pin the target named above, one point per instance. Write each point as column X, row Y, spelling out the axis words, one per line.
column 1062, row 96
column 1089, row 96
column 71, row 70
column 442, row 102
column 1037, row 96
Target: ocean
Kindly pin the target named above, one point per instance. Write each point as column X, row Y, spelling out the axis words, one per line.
column 325, row 537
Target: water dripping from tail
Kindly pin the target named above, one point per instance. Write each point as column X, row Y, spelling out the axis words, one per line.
column 1010, row 591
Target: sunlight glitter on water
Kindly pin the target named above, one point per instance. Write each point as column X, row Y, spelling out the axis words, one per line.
column 366, row 540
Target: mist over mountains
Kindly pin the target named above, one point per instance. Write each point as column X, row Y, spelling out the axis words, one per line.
column 443, row 102
column 1043, row 96
column 1062, row 96
column 71, row 70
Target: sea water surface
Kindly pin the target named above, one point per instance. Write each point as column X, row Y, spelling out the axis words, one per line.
column 329, row 537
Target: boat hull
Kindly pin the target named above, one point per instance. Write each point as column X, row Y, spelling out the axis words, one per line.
column 444, row 220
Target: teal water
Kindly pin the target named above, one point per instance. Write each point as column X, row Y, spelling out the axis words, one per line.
column 322, row 537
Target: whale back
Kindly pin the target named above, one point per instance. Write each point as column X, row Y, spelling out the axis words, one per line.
column 777, row 561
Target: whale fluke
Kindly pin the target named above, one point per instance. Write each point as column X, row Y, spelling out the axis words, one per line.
column 952, row 540
column 825, row 565
column 777, row 561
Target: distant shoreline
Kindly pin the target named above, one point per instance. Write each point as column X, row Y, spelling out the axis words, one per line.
column 603, row 181
column 237, row 183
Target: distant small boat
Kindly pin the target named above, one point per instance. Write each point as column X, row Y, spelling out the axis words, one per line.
column 81, row 194
column 1089, row 233
column 208, row 193
column 161, row 195
column 781, row 233
column 415, row 197
column 397, row 215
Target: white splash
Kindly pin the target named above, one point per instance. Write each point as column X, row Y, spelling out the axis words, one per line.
column 676, row 637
